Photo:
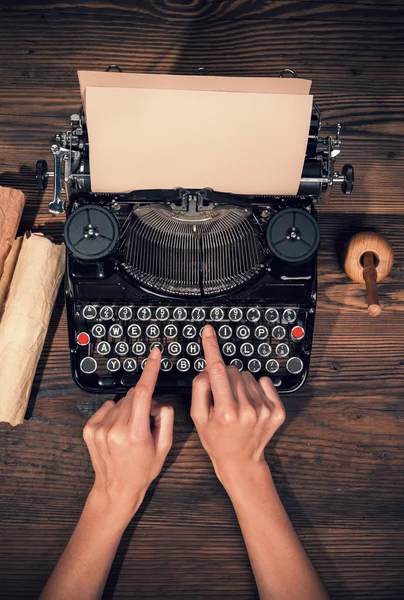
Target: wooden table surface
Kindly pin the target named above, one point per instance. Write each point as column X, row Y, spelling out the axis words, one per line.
column 338, row 460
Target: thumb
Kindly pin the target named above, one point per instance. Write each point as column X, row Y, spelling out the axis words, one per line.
column 162, row 432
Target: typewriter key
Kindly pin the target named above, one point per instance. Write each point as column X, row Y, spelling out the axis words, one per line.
column 174, row 348
column 125, row 313
column 247, row 349
column 235, row 314
column 271, row 315
column 129, row 365
column 83, row 339
column 170, row 331
column 217, row 314
column 243, row 332
column 180, row 313
column 225, row 332
column 88, row 365
column 143, row 363
column 237, row 363
column 198, row 314
column 166, row 365
column 158, row 345
column 293, row 235
column 144, row 313
column 199, row 364
column 282, row 349
column 253, row 315
column 189, row 332
column 183, row 365
column 193, row 349
column 98, row 330
column 162, row 313
column 272, row 365
column 121, row 348
column 289, row 315
column 264, row 350
column 261, row 332
column 254, row 365
column 89, row 312
column 91, row 232
column 106, row 313
column 113, row 365
column 139, row 348
column 134, row 331
column 103, row 348
column 278, row 332
column 229, row 349
column 294, row 365
column 115, row 331
column 297, row 333
column 152, row 331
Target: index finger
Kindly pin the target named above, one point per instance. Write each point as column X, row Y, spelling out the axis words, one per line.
column 218, row 378
column 143, row 392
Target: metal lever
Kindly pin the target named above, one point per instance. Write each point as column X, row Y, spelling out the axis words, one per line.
column 57, row 206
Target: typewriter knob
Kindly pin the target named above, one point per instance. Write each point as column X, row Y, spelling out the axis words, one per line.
column 91, row 232
column 41, row 175
column 349, row 176
column 293, row 235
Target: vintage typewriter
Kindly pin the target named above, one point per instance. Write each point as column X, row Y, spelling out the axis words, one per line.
column 152, row 267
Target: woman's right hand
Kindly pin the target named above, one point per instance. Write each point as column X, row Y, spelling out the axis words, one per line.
column 235, row 415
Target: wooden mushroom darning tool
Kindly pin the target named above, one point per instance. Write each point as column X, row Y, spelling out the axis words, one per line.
column 369, row 259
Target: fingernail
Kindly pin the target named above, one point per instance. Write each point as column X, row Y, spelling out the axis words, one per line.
column 208, row 331
column 155, row 353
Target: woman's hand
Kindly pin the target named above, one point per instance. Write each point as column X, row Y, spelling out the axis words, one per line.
column 235, row 415
column 126, row 451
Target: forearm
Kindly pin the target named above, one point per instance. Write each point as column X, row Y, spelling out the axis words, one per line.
column 83, row 568
column 282, row 569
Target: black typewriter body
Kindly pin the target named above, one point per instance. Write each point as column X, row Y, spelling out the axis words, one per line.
column 152, row 267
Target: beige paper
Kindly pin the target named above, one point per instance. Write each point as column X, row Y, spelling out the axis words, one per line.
column 23, row 327
column 207, row 83
column 244, row 143
column 9, row 268
column 11, row 207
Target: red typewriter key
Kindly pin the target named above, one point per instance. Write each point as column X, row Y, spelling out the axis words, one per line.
column 83, row 339
column 297, row 333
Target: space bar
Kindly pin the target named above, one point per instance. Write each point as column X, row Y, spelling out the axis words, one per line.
column 129, row 380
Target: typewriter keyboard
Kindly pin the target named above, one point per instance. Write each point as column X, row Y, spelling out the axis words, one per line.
column 112, row 343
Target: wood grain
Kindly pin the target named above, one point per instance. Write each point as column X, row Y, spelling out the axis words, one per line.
column 338, row 461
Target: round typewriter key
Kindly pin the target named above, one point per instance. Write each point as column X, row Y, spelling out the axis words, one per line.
column 180, row 313
column 144, row 313
column 170, row 331
column 237, row 363
column 272, row 366
column 294, row 365
column 229, row 349
column 225, row 332
column 98, row 330
column 106, row 313
column 103, row 348
column 129, row 365
column 297, row 333
column 247, row 349
column 115, row 331
column 193, row 349
column 261, row 332
column 217, row 314
column 166, row 365
column 271, row 315
column 289, row 315
column 189, row 332
column 199, row 364
column 125, row 313
column 139, row 348
column 113, row 365
column 174, row 348
column 121, row 348
column 198, row 314
column 152, row 331
column 278, row 332
column 89, row 312
column 282, row 349
column 253, row 315
column 134, row 331
column 254, row 365
column 243, row 332
column 264, row 350
column 277, row 381
column 83, row 339
column 143, row 363
column 183, row 365
column 235, row 314
column 158, row 345
column 162, row 313
column 88, row 365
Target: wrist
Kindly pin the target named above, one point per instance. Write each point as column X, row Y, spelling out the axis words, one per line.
column 115, row 514
column 243, row 477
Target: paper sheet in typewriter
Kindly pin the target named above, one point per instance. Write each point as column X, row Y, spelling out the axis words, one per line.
column 240, row 142
column 207, row 83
